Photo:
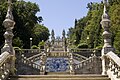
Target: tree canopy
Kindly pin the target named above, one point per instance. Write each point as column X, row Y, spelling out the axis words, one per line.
column 88, row 29
column 26, row 20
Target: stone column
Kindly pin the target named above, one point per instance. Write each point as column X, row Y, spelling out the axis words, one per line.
column 106, row 36
column 71, row 62
column 43, row 58
column 52, row 37
column 8, row 35
column 64, row 41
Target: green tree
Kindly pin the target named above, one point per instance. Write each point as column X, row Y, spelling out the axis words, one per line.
column 17, row 42
column 117, row 42
column 92, row 28
column 25, row 17
column 40, row 33
column 88, row 28
column 3, row 10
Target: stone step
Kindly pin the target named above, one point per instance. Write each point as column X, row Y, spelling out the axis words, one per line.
column 59, row 77
column 57, row 73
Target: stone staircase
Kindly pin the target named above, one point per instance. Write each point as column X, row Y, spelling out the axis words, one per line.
column 59, row 77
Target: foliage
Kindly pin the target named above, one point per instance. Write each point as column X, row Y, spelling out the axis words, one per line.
column 17, row 42
column 17, row 48
column 115, row 24
column 3, row 10
column 82, row 45
column 25, row 17
column 99, row 47
column 40, row 33
column 117, row 42
column 34, row 47
column 89, row 30
column 41, row 44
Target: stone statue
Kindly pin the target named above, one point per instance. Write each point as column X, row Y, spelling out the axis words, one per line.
column 64, row 41
column 63, row 34
column 76, row 22
column 52, row 37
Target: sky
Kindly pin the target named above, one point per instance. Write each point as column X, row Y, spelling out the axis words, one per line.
column 61, row 14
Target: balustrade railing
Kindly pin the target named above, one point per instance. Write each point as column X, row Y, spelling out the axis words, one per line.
column 83, row 64
column 58, row 54
column 35, row 62
column 29, row 62
column 28, row 52
column 5, row 65
column 88, row 66
column 34, row 58
column 113, row 65
column 79, row 57
column 86, row 52
column 79, row 50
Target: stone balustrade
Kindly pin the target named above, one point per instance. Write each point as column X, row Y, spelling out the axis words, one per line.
column 79, row 50
column 28, row 66
column 28, row 52
column 29, row 62
column 35, row 57
column 79, row 57
column 89, row 66
column 112, row 65
column 86, row 52
column 4, row 65
column 58, row 54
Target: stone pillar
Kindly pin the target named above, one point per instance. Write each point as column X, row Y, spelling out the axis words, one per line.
column 8, row 35
column 71, row 62
column 52, row 37
column 64, row 41
column 106, row 36
column 43, row 58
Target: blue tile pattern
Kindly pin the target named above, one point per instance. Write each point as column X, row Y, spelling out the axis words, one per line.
column 57, row 65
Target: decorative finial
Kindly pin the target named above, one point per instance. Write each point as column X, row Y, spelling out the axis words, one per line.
column 76, row 22
column 9, row 25
column 52, row 36
column 106, row 24
column 106, row 36
column 9, row 12
column 105, row 15
column 63, row 33
column 52, row 32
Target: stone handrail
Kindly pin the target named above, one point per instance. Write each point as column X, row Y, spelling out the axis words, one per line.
column 34, row 58
column 83, row 63
column 28, row 52
column 79, row 57
column 78, row 50
column 88, row 66
column 4, row 65
column 86, row 52
column 113, row 65
column 30, row 63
